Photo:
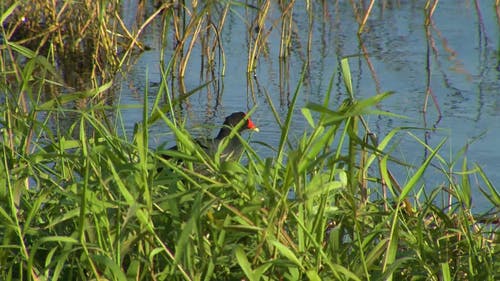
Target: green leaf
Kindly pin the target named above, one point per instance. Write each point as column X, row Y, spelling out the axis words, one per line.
column 313, row 275
column 70, row 97
column 22, row 50
column 418, row 174
column 464, row 192
column 110, row 265
column 241, row 257
column 307, row 114
column 321, row 185
column 493, row 196
column 287, row 253
column 346, row 75
column 445, row 270
column 9, row 11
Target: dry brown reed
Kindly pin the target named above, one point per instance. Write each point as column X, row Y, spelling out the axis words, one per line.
column 86, row 40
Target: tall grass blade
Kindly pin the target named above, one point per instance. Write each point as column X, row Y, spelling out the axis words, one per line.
column 419, row 173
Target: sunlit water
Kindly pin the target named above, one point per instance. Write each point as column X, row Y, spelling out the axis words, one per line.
column 458, row 61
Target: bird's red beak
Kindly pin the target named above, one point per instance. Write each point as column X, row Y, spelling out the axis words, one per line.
column 251, row 126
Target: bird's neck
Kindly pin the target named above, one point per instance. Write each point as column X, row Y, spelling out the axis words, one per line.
column 224, row 132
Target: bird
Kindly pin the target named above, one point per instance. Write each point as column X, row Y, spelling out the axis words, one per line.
column 234, row 147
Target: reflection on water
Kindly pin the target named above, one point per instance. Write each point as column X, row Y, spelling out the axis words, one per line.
column 445, row 76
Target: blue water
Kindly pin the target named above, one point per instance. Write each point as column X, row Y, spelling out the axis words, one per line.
column 458, row 60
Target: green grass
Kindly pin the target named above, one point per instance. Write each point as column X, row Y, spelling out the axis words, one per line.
column 79, row 200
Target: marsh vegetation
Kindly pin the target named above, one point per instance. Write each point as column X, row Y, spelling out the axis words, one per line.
column 81, row 199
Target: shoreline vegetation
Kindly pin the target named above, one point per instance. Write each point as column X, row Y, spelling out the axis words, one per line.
column 79, row 200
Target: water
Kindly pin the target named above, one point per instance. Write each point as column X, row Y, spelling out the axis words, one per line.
column 457, row 60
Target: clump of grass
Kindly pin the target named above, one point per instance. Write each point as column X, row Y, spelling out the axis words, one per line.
column 95, row 206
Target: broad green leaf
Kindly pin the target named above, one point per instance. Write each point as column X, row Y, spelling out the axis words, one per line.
column 445, row 271
column 308, row 116
column 242, row 259
column 285, row 251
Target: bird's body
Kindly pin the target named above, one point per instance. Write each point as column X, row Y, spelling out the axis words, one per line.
column 233, row 148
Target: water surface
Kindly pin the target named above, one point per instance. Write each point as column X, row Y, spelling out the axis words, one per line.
column 456, row 60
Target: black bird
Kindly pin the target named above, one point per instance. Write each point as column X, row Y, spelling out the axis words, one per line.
column 234, row 147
